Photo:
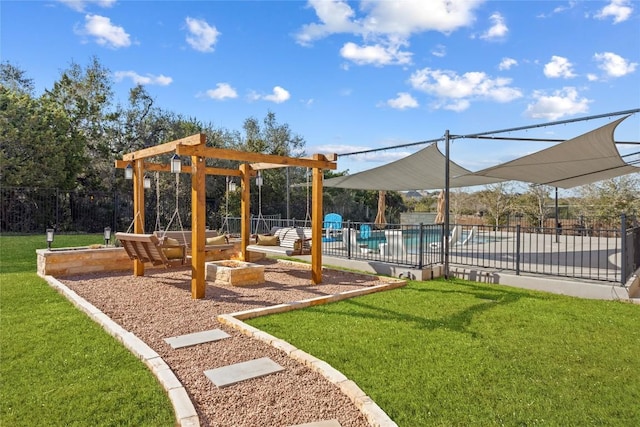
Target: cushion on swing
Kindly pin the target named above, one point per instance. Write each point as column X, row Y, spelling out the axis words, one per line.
column 172, row 253
column 218, row 240
column 264, row 240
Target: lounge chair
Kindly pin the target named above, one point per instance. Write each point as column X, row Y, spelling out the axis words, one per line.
column 470, row 236
column 395, row 243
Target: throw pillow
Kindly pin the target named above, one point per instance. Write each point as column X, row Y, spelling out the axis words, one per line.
column 218, row 240
column 172, row 253
column 264, row 240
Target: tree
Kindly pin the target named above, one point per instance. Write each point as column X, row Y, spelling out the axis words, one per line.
column 533, row 204
column 497, row 200
column 38, row 145
column 85, row 95
column 277, row 139
column 609, row 198
column 15, row 79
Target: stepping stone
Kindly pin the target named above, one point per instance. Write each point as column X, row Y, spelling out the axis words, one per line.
column 196, row 338
column 326, row 423
column 232, row 374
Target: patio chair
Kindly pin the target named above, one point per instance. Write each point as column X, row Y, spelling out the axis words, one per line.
column 332, row 222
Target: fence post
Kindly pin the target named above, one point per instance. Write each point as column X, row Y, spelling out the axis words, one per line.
column 421, row 246
column 518, row 249
column 349, row 239
column 623, row 243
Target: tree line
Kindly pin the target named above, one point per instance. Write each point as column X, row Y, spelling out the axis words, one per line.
column 69, row 136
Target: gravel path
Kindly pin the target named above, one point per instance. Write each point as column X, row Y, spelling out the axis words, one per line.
column 159, row 305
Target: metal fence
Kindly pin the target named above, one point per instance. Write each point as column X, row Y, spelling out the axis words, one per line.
column 604, row 254
column 595, row 249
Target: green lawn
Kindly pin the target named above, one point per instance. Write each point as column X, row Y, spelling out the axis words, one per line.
column 459, row 353
column 57, row 367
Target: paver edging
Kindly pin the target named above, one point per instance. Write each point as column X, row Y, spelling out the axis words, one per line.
column 372, row 412
column 186, row 415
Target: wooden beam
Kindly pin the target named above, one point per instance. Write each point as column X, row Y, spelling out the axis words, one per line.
column 245, row 215
column 198, row 219
column 161, row 167
column 167, row 147
column 319, row 160
column 261, row 166
column 316, row 226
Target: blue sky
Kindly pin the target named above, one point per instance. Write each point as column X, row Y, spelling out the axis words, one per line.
column 350, row 76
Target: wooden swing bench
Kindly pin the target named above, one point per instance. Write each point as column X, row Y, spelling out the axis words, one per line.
column 283, row 241
column 147, row 248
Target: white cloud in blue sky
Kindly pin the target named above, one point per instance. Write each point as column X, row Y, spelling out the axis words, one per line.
column 202, row 36
column 101, row 30
column 148, row 79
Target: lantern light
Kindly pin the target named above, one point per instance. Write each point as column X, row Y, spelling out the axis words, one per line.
column 232, row 186
column 107, row 235
column 50, row 233
column 259, row 179
column 147, row 182
column 128, row 172
column 176, row 164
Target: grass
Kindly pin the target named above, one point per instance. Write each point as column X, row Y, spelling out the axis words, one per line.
column 457, row 353
column 58, row 367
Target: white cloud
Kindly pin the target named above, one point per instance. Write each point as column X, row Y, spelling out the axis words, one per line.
column 614, row 65
column 507, row 63
column 440, row 51
column 105, row 33
column 278, row 96
column 559, row 9
column 620, row 10
column 563, row 102
column 335, row 17
column 202, row 35
column 403, row 101
column 397, row 18
column 592, row 77
column 384, row 26
column 559, row 67
column 456, row 92
column 498, row 30
column 80, row 5
column 148, row 79
column 374, row 54
column 222, row 91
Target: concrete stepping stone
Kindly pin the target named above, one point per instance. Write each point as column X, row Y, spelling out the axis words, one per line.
column 325, row 423
column 196, row 338
column 232, row 374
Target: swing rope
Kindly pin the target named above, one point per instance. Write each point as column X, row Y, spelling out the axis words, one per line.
column 225, row 223
column 176, row 213
column 157, row 226
column 307, row 218
column 260, row 217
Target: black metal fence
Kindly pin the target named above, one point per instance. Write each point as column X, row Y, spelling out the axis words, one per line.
column 604, row 254
column 596, row 249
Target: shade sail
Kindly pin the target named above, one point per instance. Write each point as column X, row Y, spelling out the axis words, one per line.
column 423, row 170
column 587, row 158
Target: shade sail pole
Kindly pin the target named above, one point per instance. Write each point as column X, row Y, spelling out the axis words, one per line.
column 446, row 205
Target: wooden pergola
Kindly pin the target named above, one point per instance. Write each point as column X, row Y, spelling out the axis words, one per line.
column 195, row 147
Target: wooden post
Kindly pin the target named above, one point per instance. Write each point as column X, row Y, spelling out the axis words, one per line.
column 138, row 209
column 198, row 219
column 245, row 214
column 316, row 225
